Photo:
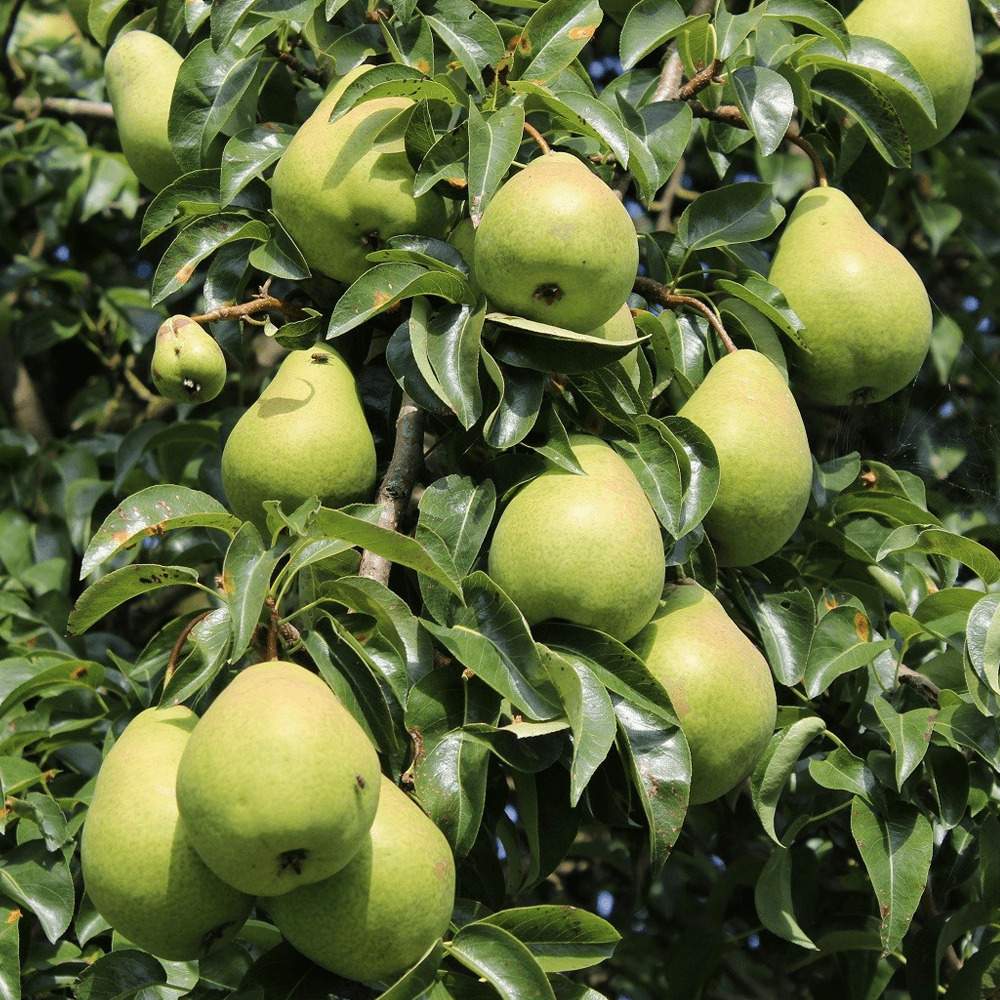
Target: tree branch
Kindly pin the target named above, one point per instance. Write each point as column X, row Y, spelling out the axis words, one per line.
column 67, row 107
column 297, row 66
column 910, row 676
column 653, row 291
column 672, row 74
column 702, row 79
column 397, row 486
column 262, row 303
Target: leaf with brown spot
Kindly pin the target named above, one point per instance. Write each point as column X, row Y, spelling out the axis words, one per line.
column 553, row 37
column 862, row 627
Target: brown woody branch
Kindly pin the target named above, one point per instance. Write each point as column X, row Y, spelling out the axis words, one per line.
column 653, row 291
column 66, row 107
column 910, row 676
column 397, row 486
column 702, row 79
column 262, row 303
column 298, row 67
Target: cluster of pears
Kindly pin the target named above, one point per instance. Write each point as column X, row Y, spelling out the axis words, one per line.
column 275, row 794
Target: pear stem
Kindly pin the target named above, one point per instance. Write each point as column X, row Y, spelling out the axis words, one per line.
column 397, row 486
column 175, row 652
column 262, row 303
column 271, row 649
column 533, row 132
column 653, row 291
column 818, row 169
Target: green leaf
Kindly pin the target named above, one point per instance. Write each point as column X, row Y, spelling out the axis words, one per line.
column 936, row 541
column 246, row 576
column 732, row 30
column 494, row 954
column 768, row 301
column 816, row 15
column 119, row 975
column 591, row 717
column 767, row 103
column 122, row 585
column 843, row 771
column 10, row 957
column 896, row 849
column 840, row 644
column 553, row 37
column 562, row 938
column 392, row 80
column 414, row 984
column 872, row 110
column 209, row 643
column 659, row 760
column 493, row 145
column 909, row 736
column 786, row 622
column 384, row 285
column 776, row 765
column 650, row 24
column 196, row 242
column 738, row 213
column 248, row 154
column 187, row 198
column 40, row 882
column 151, row 512
column 658, row 134
column 101, row 15
column 209, row 96
column 982, row 641
column 773, row 899
column 520, row 399
column 469, row 33
column 965, row 728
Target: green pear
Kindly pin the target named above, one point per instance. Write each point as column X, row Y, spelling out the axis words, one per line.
column 377, row 916
column 936, row 36
column 556, row 245
column 718, row 682
column 621, row 327
column 188, row 365
column 866, row 312
column 463, row 239
column 140, row 72
column 583, row 548
column 341, row 192
column 765, row 468
column 139, row 867
column 305, row 436
column 278, row 784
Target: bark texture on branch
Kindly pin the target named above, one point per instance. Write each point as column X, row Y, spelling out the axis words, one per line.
column 397, row 486
column 653, row 291
column 263, row 303
column 68, row 107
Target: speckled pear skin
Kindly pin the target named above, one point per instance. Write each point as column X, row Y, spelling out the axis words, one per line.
column 586, row 549
column 140, row 72
column 719, row 683
column 620, row 327
column 188, row 365
column 866, row 312
column 377, row 916
column 937, row 37
column 139, row 867
column 278, row 784
column 340, row 198
column 305, row 436
column 765, row 468
column 555, row 245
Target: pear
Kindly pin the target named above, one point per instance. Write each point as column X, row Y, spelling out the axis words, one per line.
column 305, row 436
column 278, row 784
column 936, row 36
column 621, row 327
column 586, row 549
column 765, row 468
column 555, row 245
column 718, row 682
column 463, row 239
column 341, row 192
column 140, row 72
column 378, row 915
column 188, row 365
column 139, row 867
column 866, row 312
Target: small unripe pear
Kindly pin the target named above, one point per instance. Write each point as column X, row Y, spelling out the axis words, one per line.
column 188, row 365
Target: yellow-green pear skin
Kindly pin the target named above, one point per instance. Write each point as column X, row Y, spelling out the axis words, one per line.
column 463, row 239
column 377, row 916
column 556, row 245
column 305, row 436
column 278, row 784
column 937, row 37
column 866, row 312
column 341, row 196
column 188, row 365
column 765, row 468
column 719, row 684
column 586, row 549
column 140, row 72
column 620, row 327
column 139, row 867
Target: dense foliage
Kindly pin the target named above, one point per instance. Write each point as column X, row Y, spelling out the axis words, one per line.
column 862, row 858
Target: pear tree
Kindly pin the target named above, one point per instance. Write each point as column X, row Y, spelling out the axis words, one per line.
column 499, row 500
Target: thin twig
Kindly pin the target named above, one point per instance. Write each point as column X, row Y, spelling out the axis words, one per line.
column 917, row 679
column 796, row 140
column 397, row 486
column 179, row 645
column 538, row 137
column 653, row 291
column 68, row 107
column 672, row 74
column 263, row 303
column 271, row 649
column 702, row 79
column 297, row 66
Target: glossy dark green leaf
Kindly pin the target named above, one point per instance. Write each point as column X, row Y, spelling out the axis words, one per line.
column 841, row 770
column 650, row 24
column 10, row 958
column 208, row 645
column 767, row 103
column 553, row 37
column 738, row 213
column 657, row 134
column 769, row 301
column 816, row 15
column 773, row 899
column 896, row 848
column 247, row 156
column 468, row 33
column 122, row 585
column 841, row 643
column 496, row 955
column 246, row 575
column 120, row 975
column 909, row 736
column 936, row 541
column 493, row 145
column 41, row 883
column 190, row 196
column 786, row 622
column 515, row 413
